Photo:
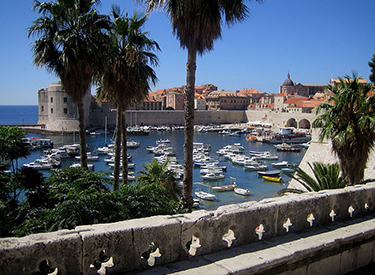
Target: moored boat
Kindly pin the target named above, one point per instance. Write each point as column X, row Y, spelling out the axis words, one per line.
column 274, row 179
column 242, row 191
column 204, row 195
column 222, row 188
column 272, row 173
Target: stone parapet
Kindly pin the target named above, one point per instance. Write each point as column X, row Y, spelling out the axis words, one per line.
column 141, row 243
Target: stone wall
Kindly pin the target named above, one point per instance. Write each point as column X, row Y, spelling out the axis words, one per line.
column 141, row 243
column 322, row 152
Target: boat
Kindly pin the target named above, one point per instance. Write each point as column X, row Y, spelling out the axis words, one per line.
column 281, row 164
column 163, row 140
column 242, row 191
column 274, row 179
column 222, row 188
column 213, row 176
column 196, row 203
column 287, row 148
column 287, row 135
column 204, row 195
column 131, row 144
column 77, row 165
column 272, row 173
column 287, row 170
column 251, row 138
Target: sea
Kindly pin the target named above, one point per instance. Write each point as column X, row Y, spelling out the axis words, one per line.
column 259, row 188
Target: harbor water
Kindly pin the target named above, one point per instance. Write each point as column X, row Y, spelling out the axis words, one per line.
column 259, row 187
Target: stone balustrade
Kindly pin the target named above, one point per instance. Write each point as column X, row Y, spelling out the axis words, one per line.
column 142, row 243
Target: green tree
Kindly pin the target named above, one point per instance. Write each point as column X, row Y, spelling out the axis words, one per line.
column 348, row 119
column 129, row 75
column 69, row 44
column 155, row 173
column 197, row 24
column 372, row 66
column 12, row 146
column 326, row 176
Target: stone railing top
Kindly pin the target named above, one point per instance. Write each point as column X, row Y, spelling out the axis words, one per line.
column 141, row 243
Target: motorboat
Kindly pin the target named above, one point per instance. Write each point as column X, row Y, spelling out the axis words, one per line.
column 256, row 167
column 287, row 148
column 282, row 164
column 287, row 170
column 131, row 144
column 163, row 140
column 222, row 188
column 272, row 173
column 213, row 176
column 274, row 179
column 204, row 195
column 76, row 165
column 242, row 191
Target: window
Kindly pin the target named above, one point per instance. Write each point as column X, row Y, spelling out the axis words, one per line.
column 42, row 108
column 51, row 99
column 51, row 110
column 65, row 99
column 65, row 111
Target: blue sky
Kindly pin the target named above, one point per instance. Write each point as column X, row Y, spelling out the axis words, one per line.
column 312, row 39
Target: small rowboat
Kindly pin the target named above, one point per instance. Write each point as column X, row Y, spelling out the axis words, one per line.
column 274, row 179
column 242, row 191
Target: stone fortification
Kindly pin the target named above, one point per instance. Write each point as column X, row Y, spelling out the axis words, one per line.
column 57, row 112
column 141, row 243
column 322, row 152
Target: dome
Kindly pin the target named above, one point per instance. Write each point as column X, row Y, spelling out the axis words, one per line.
column 288, row 81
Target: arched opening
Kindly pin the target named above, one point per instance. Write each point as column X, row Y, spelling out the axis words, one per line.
column 304, row 124
column 292, row 123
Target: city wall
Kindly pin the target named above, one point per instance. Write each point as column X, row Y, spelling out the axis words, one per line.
column 142, row 243
column 202, row 117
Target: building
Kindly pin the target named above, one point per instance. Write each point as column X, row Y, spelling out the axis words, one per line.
column 57, row 110
column 290, row 87
column 226, row 100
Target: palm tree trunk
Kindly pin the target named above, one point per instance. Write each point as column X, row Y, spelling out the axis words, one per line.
column 82, row 135
column 116, row 171
column 124, row 150
column 191, row 67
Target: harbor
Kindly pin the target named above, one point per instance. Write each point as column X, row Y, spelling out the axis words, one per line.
column 237, row 170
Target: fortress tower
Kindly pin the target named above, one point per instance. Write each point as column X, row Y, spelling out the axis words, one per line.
column 57, row 110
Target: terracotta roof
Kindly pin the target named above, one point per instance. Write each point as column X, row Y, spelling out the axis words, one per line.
column 249, row 91
column 293, row 100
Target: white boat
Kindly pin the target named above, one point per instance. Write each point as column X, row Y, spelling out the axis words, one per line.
column 76, row 165
column 163, row 140
column 89, row 157
column 204, row 195
column 242, row 191
column 281, row 164
column 131, row 144
column 213, row 176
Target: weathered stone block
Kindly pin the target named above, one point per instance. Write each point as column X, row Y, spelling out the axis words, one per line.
column 126, row 241
column 61, row 249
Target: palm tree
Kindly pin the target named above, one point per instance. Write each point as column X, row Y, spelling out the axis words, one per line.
column 197, row 24
column 155, row 173
column 70, row 36
column 327, row 176
column 349, row 121
column 129, row 76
